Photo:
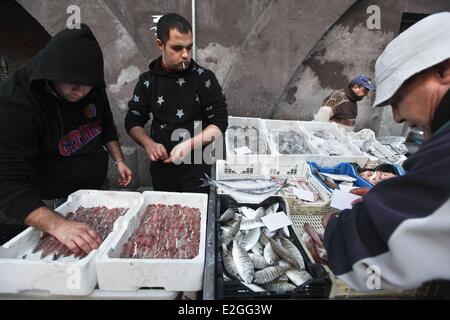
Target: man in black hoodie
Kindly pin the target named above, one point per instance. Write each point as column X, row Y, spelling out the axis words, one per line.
column 187, row 104
column 55, row 121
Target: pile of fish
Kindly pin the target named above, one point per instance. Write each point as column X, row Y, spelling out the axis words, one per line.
column 260, row 259
column 334, row 181
column 300, row 183
column 246, row 190
column 329, row 144
column 365, row 140
column 165, row 232
column 101, row 219
column 290, row 142
column 250, row 137
column 314, row 242
column 376, row 176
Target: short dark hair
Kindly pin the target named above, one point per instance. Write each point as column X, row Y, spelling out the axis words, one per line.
column 171, row 21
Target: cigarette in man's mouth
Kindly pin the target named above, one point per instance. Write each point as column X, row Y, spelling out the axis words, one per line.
column 184, row 66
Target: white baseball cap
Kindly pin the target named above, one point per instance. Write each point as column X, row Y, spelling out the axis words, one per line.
column 423, row 45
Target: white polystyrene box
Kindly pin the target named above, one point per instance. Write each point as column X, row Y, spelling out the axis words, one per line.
column 263, row 142
column 21, row 270
column 120, row 274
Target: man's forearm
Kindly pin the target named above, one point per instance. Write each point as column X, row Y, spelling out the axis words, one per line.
column 208, row 135
column 43, row 219
column 114, row 150
column 140, row 136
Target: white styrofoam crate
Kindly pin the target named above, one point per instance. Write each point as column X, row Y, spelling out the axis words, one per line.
column 262, row 139
column 276, row 127
column 119, row 274
column 311, row 127
column 21, row 270
column 383, row 154
column 97, row 295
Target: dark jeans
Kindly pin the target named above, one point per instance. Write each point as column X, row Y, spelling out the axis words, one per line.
column 179, row 178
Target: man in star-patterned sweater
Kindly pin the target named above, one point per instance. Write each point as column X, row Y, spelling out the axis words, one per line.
column 188, row 106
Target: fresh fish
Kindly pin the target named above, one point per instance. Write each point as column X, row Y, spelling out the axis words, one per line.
column 253, row 287
column 269, row 254
column 279, row 286
column 228, row 262
column 245, row 195
column 263, row 238
column 274, row 207
column 284, row 263
column 285, row 232
column 253, row 186
column 291, row 142
column 326, row 180
column 259, row 213
column 251, row 224
column 229, row 236
column 269, row 234
column 243, row 263
column 258, row 261
column 249, row 239
column 286, row 255
column 269, row 274
column 247, row 212
column 298, row 277
column 228, row 215
column 283, row 278
column 293, row 251
column 258, row 249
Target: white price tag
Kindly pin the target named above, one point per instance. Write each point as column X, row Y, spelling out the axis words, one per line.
column 276, row 221
column 243, row 151
column 342, row 200
column 303, row 194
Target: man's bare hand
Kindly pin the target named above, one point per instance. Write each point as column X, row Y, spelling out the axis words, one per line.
column 156, row 151
column 179, row 152
column 125, row 174
column 359, row 192
column 78, row 237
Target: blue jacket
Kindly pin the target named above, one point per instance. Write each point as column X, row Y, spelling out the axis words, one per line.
column 400, row 233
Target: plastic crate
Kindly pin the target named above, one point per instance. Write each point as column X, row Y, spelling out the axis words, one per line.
column 318, row 287
column 367, row 143
column 276, row 127
column 170, row 274
column 312, row 128
column 342, row 168
column 283, row 167
column 339, row 290
column 262, row 143
column 385, row 167
column 23, row 271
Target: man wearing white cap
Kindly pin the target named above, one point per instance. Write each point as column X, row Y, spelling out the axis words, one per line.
column 398, row 237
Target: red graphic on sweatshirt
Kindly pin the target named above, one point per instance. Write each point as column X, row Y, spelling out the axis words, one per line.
column 90, row 111
column 77, row 139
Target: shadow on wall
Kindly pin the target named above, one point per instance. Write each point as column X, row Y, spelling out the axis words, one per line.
column 21, row 37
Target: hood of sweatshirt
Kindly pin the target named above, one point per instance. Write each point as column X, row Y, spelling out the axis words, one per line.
column 71, row 56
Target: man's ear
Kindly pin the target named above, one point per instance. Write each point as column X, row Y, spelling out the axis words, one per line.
column 159, row 44
column 444, row 72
